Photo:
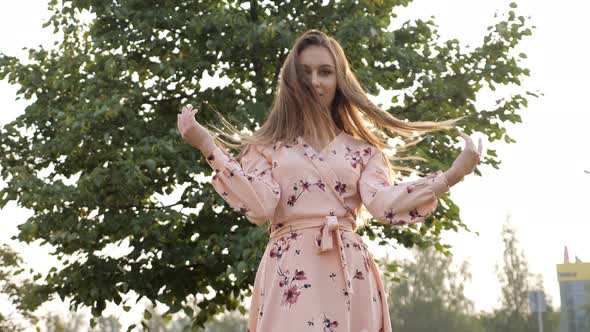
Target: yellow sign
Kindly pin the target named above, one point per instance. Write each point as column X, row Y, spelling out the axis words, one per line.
column 573, row 272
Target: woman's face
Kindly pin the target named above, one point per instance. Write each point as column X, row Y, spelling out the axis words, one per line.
column 320, row 70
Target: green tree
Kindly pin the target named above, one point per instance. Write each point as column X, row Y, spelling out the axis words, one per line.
column 165, row 322
column 430, row 295
column 99, row 139
column 230, row 322
column 515, row 278
column 70, row 322
column 13, row 287
column 516, row 281
column 107, row 324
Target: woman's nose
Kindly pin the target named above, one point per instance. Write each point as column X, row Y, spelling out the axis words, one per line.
column 314, row 80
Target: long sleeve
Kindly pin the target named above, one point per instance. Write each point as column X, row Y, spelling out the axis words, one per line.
column 247, row 188
column 402, row 203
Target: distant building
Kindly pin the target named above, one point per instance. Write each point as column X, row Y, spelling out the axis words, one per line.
column 574, row 288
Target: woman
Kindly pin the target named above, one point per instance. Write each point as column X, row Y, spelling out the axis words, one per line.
column 307, row 171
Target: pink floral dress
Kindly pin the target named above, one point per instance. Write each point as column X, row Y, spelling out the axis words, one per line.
column 316, row 273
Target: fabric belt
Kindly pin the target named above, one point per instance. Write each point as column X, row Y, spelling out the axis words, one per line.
column 330, row 226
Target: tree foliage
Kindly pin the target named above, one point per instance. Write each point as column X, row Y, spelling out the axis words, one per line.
column 430, row 295
column 97, row 148
column 13, row 288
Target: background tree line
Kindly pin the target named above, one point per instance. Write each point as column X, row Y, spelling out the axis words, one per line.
column 430, row 297
column 425, row 294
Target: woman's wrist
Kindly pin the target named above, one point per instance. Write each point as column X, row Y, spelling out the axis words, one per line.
column 206, row 147
column 202, row 140
column 440, row 184
column 453, row 176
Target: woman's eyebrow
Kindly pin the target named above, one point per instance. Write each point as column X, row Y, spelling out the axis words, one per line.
column 324, row 65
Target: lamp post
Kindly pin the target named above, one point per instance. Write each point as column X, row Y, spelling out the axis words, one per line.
column 538, row 305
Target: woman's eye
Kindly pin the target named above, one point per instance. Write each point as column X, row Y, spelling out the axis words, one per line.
column 326, row 72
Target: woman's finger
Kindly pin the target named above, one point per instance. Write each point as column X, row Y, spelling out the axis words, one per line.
column 480, row 147
column 472, row 145
column 462, row 135
column 465, row 136
column 468, row 141
column 180, row 122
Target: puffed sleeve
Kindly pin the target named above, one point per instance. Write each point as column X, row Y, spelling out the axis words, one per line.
column 248, row 188
column 401, row 203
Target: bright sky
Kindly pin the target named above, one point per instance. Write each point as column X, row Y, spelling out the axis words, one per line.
column 541, row 182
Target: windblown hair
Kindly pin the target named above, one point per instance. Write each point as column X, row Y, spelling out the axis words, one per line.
column 297, row 111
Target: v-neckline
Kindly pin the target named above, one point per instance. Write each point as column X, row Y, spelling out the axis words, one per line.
column 326, row 146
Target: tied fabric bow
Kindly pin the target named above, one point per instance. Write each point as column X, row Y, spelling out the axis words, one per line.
column 329, row 228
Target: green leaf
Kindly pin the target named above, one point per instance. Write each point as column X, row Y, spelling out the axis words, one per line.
column 147, row 315
column 150, row 164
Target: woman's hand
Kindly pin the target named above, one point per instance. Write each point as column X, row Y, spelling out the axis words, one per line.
column 192, row 132
column 465, row 163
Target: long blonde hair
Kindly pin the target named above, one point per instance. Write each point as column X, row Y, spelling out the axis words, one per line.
column 297, row 111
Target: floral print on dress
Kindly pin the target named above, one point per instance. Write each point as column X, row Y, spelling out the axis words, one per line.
column 275, row 227
column 242, row 210
column 230, row 177
column 282, row 244
column 329, row 325
column 313, row 155
column 390, row 217
column 355, row 157
column 340, row 187
column 414, row 214
column 358, row 246
column 318, row 237
column 347, row 296
column 293, row 285
column 358, row 275
column 304, row 185
column 260, row 311
column 332, row 276
column 294, row 142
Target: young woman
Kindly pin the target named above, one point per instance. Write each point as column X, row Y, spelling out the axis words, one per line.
column 307, row 171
